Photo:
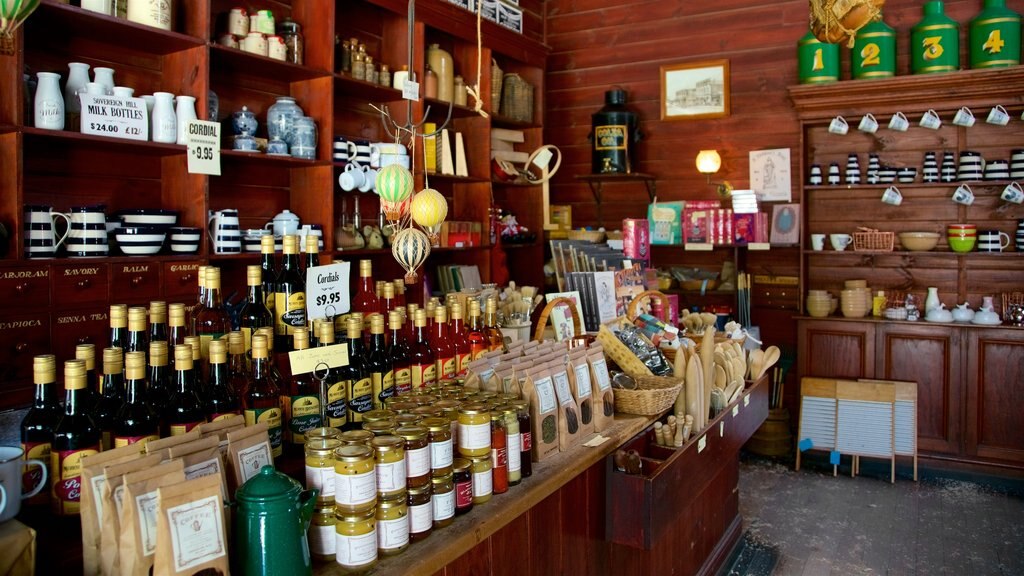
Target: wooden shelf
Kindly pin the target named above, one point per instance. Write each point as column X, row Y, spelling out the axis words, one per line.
column 921, row 322
column 925, row 254
column 351, row 88
column 115, row 144
column 503, row 122
column 906, row 186
column 456, row 179
column 439, row 108
column 283, row 161
column 64, row 20
column 387, row 251
column 239, row 63
column 597, row 181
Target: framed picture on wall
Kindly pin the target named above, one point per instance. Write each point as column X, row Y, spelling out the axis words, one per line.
column 695, row 90
column 785, row 225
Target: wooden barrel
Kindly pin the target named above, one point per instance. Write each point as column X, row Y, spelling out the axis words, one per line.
column 773, row 438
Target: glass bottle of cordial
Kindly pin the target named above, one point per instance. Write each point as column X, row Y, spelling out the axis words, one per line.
column 183, row 410
column 212, row 321
column 255, row 313
column 136, row 421
column 119, row 326
column 360, row 385
column 221, row 399
column 268, row 270
column 138, row 334
column 290, row 296
column 301, row 401
column 158, row 329
column 398, row 354
column 335, row 381
column 263, row 396
column 40, row 420
column 111, row 396
column 379, row 364
column 74, row 438
column 423, row 361
column 176, row 327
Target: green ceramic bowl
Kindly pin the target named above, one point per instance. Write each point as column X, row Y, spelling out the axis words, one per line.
column 961, row 243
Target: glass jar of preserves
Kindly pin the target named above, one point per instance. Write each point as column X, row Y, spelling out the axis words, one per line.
column 400, row 404
column 421, row 399
column 391, row 473
column 320, row 468
column 508, row 397
column 381, row 427
column 513, row 444
column 322, row 534
column 462, row 476
column 427, row 411
column 417, row 455
column 377, row 415
column 356, row 541
column 355, row 478
column 499, row 451
column 291, row 32
column 483, row 480
column 323, row 432
column 525, row 437
column 474, row 431
column 486, row 395
column 421, row 512
column 356, row 437
column 442, row 498
column 441, row 452
column 392, row 526
column 407, row 419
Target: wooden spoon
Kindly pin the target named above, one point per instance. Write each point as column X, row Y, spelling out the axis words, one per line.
column 756, row 360
column 771, row 356
column 721, row 378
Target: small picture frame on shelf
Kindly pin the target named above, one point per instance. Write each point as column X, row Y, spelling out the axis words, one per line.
column 695, row 90
column 785, row 225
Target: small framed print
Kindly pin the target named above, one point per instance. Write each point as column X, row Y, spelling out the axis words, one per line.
column 695, row 90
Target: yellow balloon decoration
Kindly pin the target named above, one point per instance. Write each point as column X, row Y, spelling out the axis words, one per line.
column 429, row 209
column 410, row 247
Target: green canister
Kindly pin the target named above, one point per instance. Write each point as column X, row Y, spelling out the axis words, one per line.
column 934, row 41
column 874, row 52
column 995, row 36
column 818, row 61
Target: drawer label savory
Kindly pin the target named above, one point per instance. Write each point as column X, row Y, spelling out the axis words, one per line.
column 81, row 271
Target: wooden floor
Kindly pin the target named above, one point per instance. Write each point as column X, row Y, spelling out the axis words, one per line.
column 822, row 525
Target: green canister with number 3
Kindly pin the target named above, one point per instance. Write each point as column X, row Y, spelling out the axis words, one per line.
column 935, row 41
column 995, row 36
column 874, row 52
column 818, row 61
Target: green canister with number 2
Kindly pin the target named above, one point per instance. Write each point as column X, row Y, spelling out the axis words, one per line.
column 874, row 52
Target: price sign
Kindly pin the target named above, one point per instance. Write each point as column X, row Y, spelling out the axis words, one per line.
column 203, row 141
column 115, row 117
column 327, row 290
column 411, row 90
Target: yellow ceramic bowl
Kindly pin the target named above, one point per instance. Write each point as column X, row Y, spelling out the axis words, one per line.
column 919, row 241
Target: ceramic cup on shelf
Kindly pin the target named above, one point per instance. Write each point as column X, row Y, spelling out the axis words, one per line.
column 815, row 177
column 343, row 150
column 351, row 178
column 992, row 241
column 40, row 237
column 997, row 170
column 87, row 236
column 840, row 241
column 369, row 179
column 817, row 242
column 14, row 480
column 839, row 126
column 964, row 117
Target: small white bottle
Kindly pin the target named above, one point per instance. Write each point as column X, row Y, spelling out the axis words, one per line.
column 49, row 102
column 185, row 113
column 164, row 121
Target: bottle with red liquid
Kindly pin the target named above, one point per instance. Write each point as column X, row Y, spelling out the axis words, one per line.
column 444, row 352
column 410, row 322
column 478, row 343
column 74, row 438
column 387, row 303
column 399, row 287
column 423, row 361
column 398, row 354
column 495, row 339
column 499, row 453
column 459, row 336
column 365, row 299
column 238, row 366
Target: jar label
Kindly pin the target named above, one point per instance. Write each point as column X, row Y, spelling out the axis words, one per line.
column 290, row 310
column 527, row 441
column 421, row 518
column 474, row 436
column 197, row 532
column 444, row 504
column 403, row 380
column 322, row 478
column 356, row 550
column 337, row 405
column 464, row 494
column 390, row 476
column 515, row 456
column 582, row 373
column 393, row 533
column 31, row 476
column 322, row 540
column 272, row 416
column 417, row 462
column 482, row 484
column 441, row 454
column 354, row 489
column 383, row 387
column 499, row 457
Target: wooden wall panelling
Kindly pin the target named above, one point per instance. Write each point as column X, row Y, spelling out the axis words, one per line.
column 511, row 547
column 995, row 373
column 11, row 198
column 545, row 537
column 24, row 334
column 12, row 99
column 309, row 200
column 836, row 349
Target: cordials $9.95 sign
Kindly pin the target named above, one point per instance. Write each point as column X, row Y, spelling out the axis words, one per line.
column 203, row 142
column 327, row 290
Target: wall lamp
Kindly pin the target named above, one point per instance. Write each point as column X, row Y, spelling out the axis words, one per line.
column 710, row 162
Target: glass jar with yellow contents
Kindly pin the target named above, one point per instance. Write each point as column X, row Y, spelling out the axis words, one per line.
column 427, row 411
column 483, row 479
column 442, row 499
column 441, row 453
column 392, row 526
column 356, row 437
column 356, row 541
column 421, row 399
column 322, row 432
column 378, row 415
column 474, row 430
column 320, row 468
column 400, row 404
column 421, row 512
column 355, row 478
column 417, row 455
column 322, row 534
column 390, row 456
column 406, row 419
column 381, row 427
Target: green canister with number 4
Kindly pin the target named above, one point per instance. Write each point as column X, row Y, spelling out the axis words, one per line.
column 935, row 41
column 818, row 61
column 995, row 36
column 874, row 52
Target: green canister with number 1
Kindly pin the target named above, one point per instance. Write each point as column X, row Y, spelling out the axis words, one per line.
column 818, row 61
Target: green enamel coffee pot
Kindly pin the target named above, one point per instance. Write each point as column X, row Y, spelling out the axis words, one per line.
column 270, row 525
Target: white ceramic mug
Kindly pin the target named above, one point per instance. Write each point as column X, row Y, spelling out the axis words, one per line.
column 351, row 178
column 964, row 117
column 817, row 242
column 389, row 159
column 380, row 149
column 1013, row 193
column 840, row 241
column 998, row 116
column 963, row 195
column 838, row 126
column 930, row 120
column 12, row 478
column 892, row 196
column 899, row 122
column 868, row 124
column 992, row 241
column 224, row 231
column 88, row 234
column 40, row 237
column 344, row 150
column 369, row 179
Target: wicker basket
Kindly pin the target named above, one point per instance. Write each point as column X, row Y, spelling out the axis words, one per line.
column 622, row 356
column 634, row 305
column 542, row 322
column 871, row 240
column 516, row 98
column 592, row 236
column 496, row 76
column 653, row 395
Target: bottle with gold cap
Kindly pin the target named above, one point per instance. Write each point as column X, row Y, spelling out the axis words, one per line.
column 87, row 354
column 301, row 401
column 365, row 299
column 337, row 389
column 136, row 421
column 158, row 321
column 268, row 270
column 74, row 438
column 410, row 322
column 312, row 251
column 399, row 286
column 176, row 328
column 158, row 388
column 220, row 400
column 40, row 420
column 290, row 296
column 196, row 373
column 200, row 299
column 275, row 374
column 379, row 364
column 478, row 343
column 387, row 303
column 183, row 410
column 263, row 396
column 495, row 339
column 238, row 365
column 444, row 351
column 359, row 382
column 398, row 354
column 422, row 359
column 255, row 313
column 212, row 321
column 118, row 326
column 460, row 340
column 111, row 396
column 138, row 333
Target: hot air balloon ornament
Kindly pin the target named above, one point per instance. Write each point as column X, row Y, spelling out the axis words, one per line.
column 410, row 247
column 12, row 14
column 429, row 209
column 394, row 186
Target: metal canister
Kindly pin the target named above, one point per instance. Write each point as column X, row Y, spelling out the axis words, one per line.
column 615, row 134
column 818, row 62
column 934, row 41
column 995, row 36
column 874, row 52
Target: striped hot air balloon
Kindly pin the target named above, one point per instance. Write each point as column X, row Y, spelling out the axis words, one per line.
column 394, row 186
column 410, row 247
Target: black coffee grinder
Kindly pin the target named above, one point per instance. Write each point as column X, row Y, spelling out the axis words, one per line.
column 615, row 132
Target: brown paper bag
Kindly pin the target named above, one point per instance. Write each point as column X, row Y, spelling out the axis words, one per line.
column 191, row 528
column 540, row 391
column 113, row 493
column 601, row 381
column 248, row 452
column 582, row 405
column 93, row 481
column 162, row 445
column 137, row 537
column 570, row 430
column 202, row 458
column 579, row 374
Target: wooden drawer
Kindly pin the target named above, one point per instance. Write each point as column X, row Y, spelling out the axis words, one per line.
column 84, row 326
column 22, row 336
column 643, row 508
column 135, row 282
column 180, row 280
column 25, row 287
column 76, row 285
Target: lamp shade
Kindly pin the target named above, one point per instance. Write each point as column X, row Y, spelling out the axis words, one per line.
column 708, row 161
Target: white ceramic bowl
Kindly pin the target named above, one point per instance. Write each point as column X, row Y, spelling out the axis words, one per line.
column 140, row 240
column 149, row 217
